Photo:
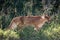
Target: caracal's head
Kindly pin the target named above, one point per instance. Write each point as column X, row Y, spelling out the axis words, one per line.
column 46, row 17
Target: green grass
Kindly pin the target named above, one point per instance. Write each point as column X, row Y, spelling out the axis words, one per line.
column 48, row 32
column 8, row 34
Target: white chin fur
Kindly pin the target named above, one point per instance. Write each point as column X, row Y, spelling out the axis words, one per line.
column 43, row 17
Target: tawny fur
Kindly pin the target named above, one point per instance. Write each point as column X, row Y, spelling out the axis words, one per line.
column 36, row 21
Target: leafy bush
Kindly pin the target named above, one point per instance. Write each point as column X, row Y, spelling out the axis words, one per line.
column 50, row 32
column 9, row 35
column 47, row 32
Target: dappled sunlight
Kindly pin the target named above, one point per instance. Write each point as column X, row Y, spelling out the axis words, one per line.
column 6, row 34
column 16, row 17
column 54, row 33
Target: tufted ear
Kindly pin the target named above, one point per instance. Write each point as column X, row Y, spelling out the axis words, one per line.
column 44, row 15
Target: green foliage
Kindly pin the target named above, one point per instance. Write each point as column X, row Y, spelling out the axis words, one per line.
column 48, row 32
column 12, row 8
column 6, row 35
column 51, row 32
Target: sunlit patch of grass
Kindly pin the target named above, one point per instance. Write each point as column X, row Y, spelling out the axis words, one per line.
column 7, row 34
column 53, row 32
column 11, row 33
column 1, row 32
column 14, row 34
